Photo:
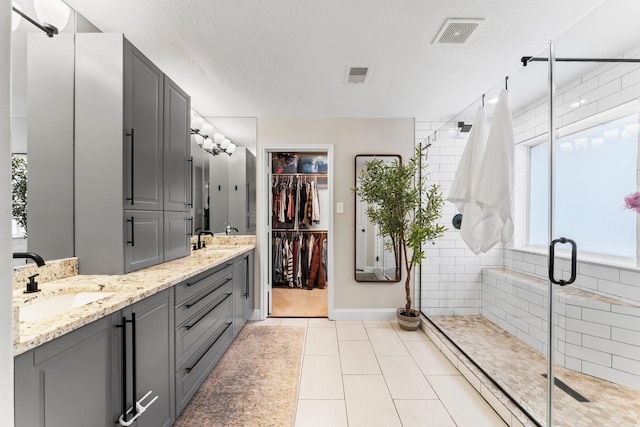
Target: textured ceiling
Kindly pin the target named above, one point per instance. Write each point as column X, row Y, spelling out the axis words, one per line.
column 289, row 57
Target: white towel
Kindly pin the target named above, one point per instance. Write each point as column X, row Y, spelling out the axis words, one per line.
column 464, row 192
column 495, row 182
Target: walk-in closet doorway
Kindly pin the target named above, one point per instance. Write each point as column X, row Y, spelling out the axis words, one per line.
column 297, row 277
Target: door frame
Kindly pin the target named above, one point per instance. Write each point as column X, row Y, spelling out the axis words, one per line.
column 263, row 232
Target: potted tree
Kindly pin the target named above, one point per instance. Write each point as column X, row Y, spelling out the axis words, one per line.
column 406, row 210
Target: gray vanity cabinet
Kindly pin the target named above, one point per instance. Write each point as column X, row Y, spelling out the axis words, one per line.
column 131, row 155
column 218, row 192
column 143, row 238
column 203, row 328
column 243, row 292
column 177, row 148
column 151, row 354
column 143, row 125
column 242, row 191
column 67, row 381
column 177, row 232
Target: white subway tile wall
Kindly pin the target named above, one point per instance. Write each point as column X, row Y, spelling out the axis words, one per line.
column 595, row 335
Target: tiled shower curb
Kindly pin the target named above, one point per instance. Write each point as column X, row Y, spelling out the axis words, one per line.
column 504, row 407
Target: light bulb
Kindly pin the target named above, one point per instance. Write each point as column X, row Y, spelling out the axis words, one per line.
column 231, row 148
column 207, row 129
column 197, row 123
column 54, row 12
column 208, row 144
column 225, row 143
column 218, row 138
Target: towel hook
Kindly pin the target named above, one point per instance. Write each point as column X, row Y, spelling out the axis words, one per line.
column 506, row 80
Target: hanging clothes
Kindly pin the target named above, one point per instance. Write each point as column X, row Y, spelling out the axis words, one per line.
column 316, row 272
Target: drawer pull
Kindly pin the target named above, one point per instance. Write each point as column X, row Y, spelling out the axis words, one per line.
column 191, row 304
column 208, row 348
column 194, row 283
column 207, row 313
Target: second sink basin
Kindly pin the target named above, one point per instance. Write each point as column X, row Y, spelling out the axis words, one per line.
column 53, row 306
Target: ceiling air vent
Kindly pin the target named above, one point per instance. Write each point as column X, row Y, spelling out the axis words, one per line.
column 357, row 74
column 457, row 31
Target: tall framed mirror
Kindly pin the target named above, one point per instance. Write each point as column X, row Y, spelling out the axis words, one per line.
column 376, row 260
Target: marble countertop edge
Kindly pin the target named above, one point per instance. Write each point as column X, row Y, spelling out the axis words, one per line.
column 127, row 289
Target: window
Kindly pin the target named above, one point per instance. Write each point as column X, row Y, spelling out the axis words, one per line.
column 596, row 167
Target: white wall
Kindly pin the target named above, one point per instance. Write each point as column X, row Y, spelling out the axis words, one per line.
column 6, row 288
column 349, row 138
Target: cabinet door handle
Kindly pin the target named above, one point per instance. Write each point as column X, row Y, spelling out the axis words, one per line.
column 246, row 275
column 124, row 364
column 132, row 165
column 191, row 304
column 210, row 310
column 191, row 182
column 208, row 348
column 133, row 240
column 190, row 232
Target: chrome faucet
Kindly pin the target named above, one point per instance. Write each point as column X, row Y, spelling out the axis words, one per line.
column 201, row 244
column 35, row 257
column 229, row 229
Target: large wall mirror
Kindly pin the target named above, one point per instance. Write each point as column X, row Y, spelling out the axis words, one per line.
column 375, row 258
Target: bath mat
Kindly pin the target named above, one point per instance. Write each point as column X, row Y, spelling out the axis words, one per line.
column 255, row 383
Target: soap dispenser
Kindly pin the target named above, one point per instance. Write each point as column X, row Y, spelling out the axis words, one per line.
column 32, row 286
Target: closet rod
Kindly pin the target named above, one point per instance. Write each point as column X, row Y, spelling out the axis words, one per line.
column 526, row 59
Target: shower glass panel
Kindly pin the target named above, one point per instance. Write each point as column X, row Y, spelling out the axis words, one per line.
column 495, row 307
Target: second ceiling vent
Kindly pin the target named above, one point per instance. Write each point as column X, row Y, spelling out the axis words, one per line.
column 357, row 74
column 457, row 31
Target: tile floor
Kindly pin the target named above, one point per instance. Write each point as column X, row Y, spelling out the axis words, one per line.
column 372, row 373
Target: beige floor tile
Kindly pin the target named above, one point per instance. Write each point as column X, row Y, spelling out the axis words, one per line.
column 294, row 321
column 269, row 321
column 321, row 322
column 421, row 413
column 351, row 330
column 385, row 341
column 417, row 335
column 466, row 406
column 404, row 379
column 377, row 324
column 429, row 359
column 321, row 341
column 368, row 402
column 321, row 413
column 357, row 357
column 321, row 378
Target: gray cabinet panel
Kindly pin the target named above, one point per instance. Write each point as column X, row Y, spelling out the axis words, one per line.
column 218, row 192
column 177, row 148
column 66, row 382
column 153, row 360
column 143, row 122
column 249, row 302
column 144, row 239
column 242, row 191
column 177, row 232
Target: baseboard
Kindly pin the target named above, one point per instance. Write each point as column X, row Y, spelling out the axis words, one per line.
column 255, row 314
column 364, row 314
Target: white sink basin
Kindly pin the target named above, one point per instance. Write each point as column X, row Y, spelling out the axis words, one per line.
column 62, row 303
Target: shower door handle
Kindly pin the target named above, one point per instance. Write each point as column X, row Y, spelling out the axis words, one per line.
column 552, row 251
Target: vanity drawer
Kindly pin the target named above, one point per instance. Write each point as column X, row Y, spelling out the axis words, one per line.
column 196, row 332
column 199, row 302
column 190, row 376
column 200, row 282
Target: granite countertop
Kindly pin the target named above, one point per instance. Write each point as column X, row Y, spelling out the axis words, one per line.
column 126, row 289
